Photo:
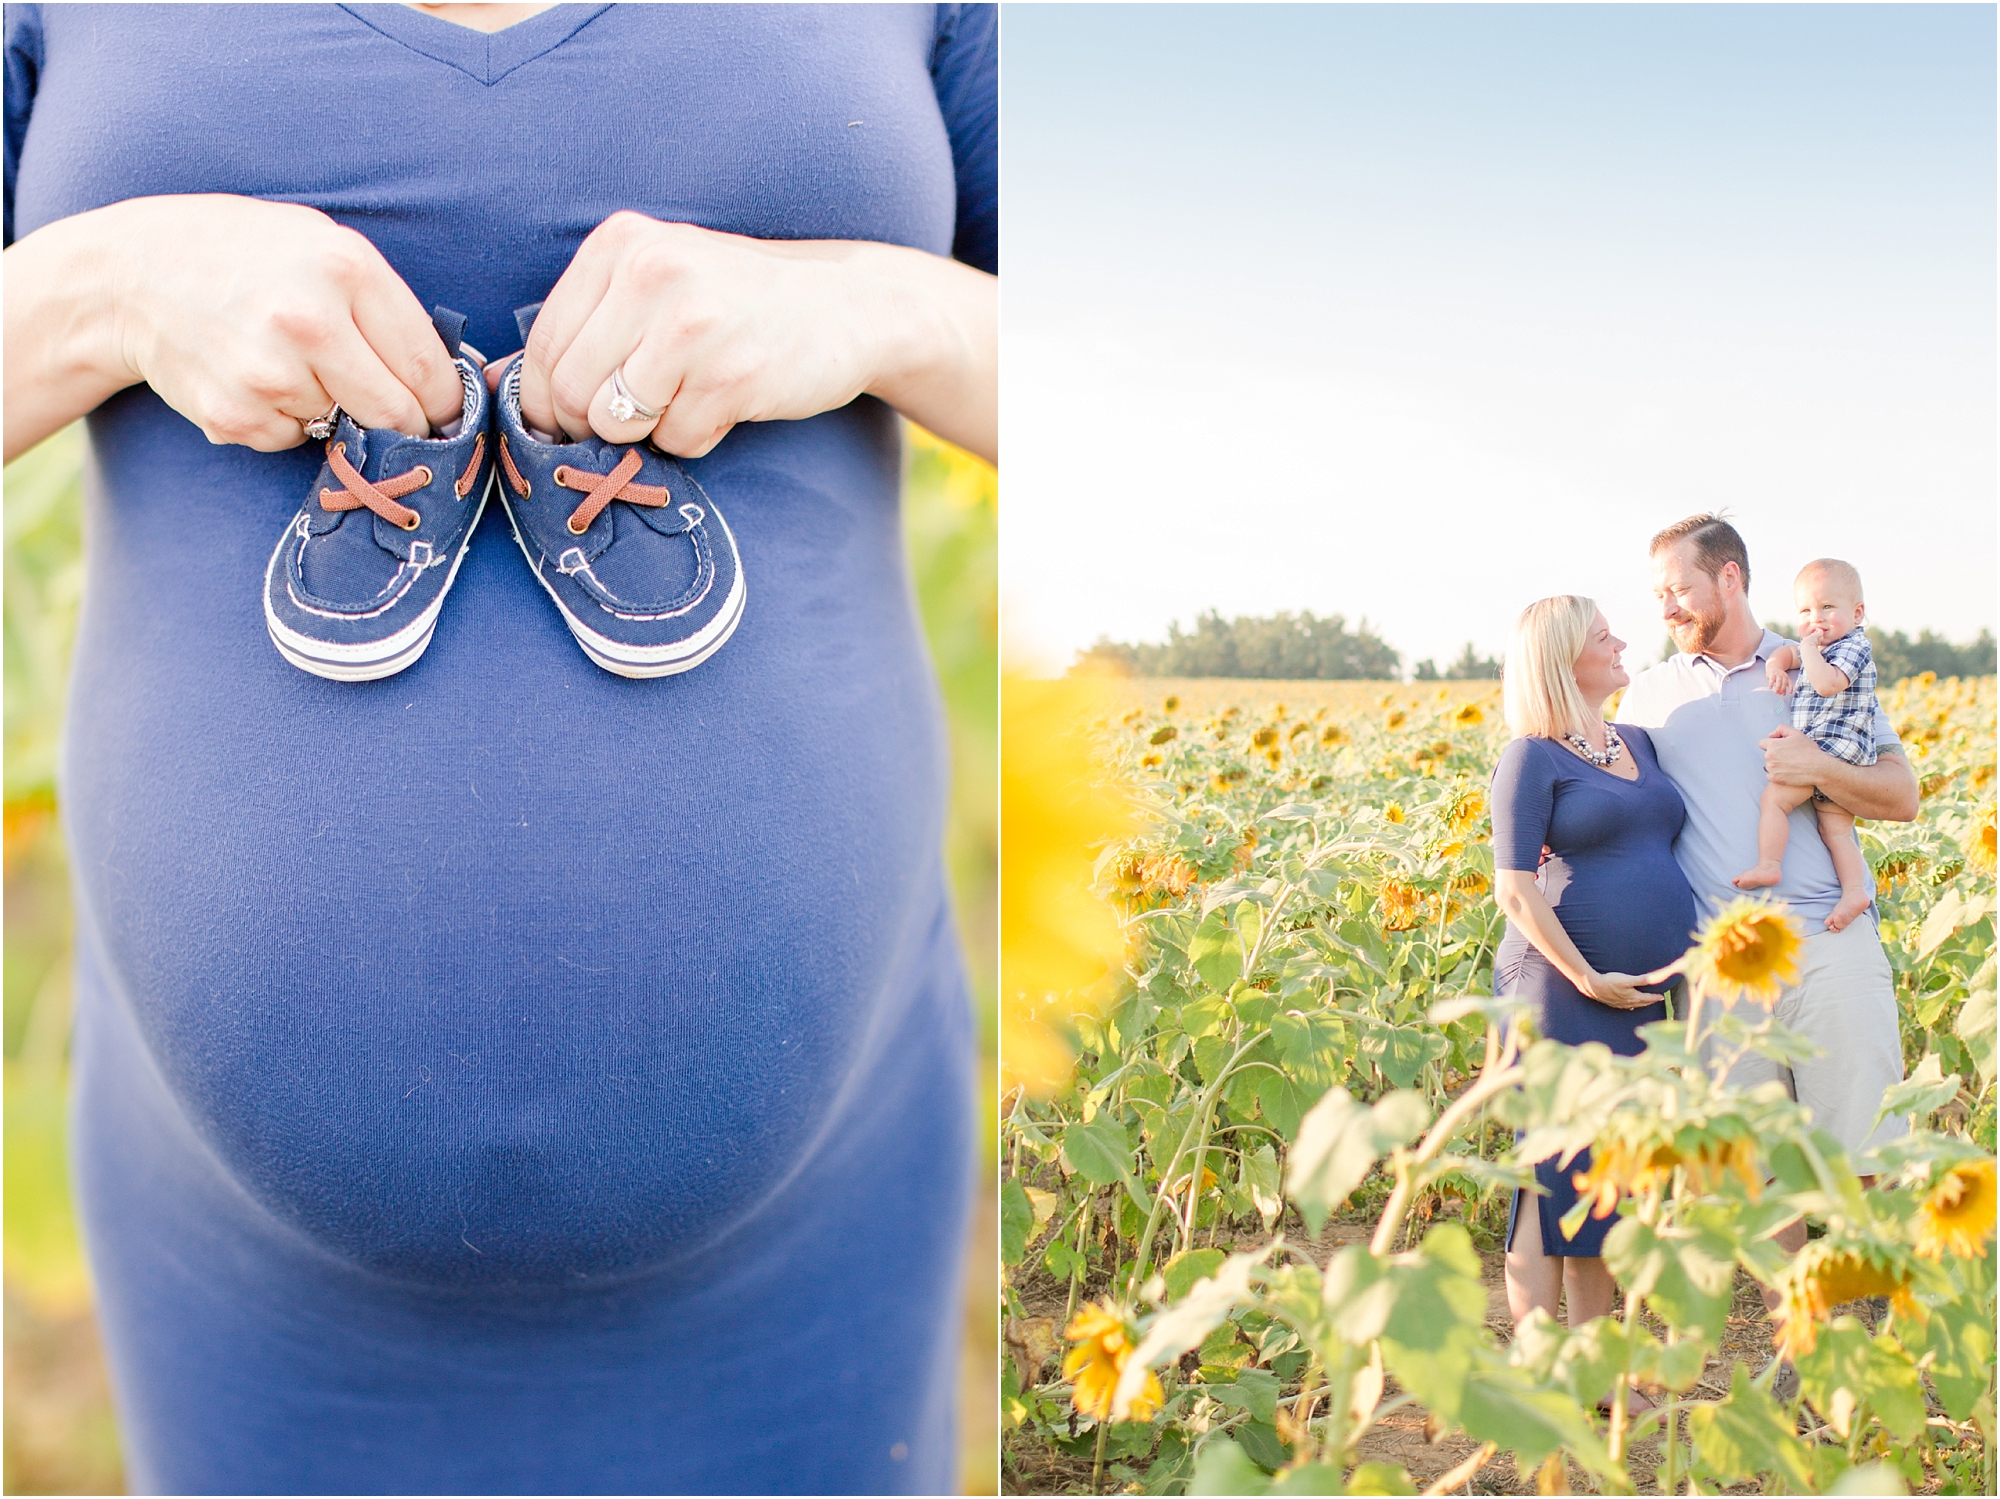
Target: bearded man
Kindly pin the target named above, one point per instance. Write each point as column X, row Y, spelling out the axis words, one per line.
column 1721, row 733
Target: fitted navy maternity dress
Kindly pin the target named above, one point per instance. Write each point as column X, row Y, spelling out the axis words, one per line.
column 1611, row 878
column 507, row 1077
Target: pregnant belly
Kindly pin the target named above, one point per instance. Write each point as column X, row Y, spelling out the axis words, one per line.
column 1633, row 914
column 506, row 970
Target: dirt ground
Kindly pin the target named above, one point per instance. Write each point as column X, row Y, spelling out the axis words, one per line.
column 1034, row 1468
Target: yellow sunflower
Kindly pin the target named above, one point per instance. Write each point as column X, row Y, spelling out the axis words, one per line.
column 1246, row 851
column 1393, row 811
column 1468, row 715
column 1824, row 1275
column 1396, row 719
column 1332, row 736
column 1899, row 868
column 1751, row 949
column 1980, row 852
column 1054, row 810
column 1472, row 884
column 1465, row 810
column 1708, row 1155
column 1402, row 905
column 1618, row 1168
column 1956, row 1217
column 1180, row 1186
column 1103, row 1347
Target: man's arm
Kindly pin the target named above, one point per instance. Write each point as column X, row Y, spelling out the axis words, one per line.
column 1885, row 791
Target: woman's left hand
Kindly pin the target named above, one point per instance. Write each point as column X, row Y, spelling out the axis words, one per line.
column 1621, row 991
column 713, row 329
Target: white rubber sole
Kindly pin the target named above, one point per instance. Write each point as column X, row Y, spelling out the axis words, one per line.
column 641, row 662
column 375, row 659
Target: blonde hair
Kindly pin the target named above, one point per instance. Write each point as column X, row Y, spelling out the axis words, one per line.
column 1834, row 573
column 1538, row 690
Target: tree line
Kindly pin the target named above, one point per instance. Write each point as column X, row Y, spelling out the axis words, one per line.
column 1304, row 646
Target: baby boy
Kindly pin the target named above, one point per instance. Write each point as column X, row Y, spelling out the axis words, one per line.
column 1833, row 704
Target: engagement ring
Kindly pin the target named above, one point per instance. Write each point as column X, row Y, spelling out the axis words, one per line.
column 625, row 406
column 320, row 428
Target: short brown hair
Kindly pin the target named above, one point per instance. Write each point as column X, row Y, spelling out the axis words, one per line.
column 1715, row 543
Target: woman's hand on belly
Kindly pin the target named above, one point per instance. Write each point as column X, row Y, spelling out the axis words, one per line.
column 1621, row 991
column 246, row 317
column 1522, row 899
column 714, row 329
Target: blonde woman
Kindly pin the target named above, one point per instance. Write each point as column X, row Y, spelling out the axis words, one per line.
column 1584, row 822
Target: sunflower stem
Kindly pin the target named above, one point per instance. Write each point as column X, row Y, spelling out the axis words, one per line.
column 1082, row 1254
column 1142, row 1255
column 1097, row 1462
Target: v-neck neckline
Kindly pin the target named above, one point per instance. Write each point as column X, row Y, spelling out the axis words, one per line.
column 487, row 56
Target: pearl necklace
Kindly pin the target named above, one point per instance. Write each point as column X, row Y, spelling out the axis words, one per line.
column 1605, row 759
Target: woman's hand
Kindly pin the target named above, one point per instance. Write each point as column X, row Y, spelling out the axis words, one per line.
column 246, row 317
column 1522, row 900
column 714, row 329
column 1621, row 991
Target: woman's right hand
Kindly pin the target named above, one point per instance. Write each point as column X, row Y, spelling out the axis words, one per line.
column 246, row 317
column 1621, row 991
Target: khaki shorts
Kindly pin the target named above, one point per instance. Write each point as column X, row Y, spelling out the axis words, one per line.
column 1845, row 1004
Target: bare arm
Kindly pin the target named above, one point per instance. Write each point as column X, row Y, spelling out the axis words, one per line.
column 1885, row 791
column 1778, row 669
column 244, row 316
column 1528, row 909
column 1827, row 679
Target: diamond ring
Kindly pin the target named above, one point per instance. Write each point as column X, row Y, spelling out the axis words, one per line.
column 624, row 406
column 320, row 428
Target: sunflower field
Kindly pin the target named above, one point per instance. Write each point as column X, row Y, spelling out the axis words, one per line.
column 1256, row 1176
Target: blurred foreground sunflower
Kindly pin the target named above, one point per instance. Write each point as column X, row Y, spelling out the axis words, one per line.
column 1956, row 1217
column 1821, row 1277
column 1103, row 1347
column 1708, row 1154
column 1055, row 812
column 1751, row 949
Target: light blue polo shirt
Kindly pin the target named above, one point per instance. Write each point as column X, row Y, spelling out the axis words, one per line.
column 1705, row 720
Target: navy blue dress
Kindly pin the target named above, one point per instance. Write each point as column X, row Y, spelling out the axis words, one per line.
column 508, row 1077
column 1612, row 880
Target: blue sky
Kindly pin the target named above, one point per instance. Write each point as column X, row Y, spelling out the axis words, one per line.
column 1420, row 312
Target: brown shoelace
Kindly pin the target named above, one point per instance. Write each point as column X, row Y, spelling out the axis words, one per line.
column 380, row 498
column 601, row 489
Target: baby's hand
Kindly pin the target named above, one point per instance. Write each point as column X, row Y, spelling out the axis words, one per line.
column 1778, row 667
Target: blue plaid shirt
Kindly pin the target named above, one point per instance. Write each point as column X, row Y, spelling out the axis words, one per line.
column 1843, row 725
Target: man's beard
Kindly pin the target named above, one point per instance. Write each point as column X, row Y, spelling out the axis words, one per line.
column 1699, row 634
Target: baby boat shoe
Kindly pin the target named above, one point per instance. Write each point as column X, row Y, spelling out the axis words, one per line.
column 635, row 554
column 353, row 591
